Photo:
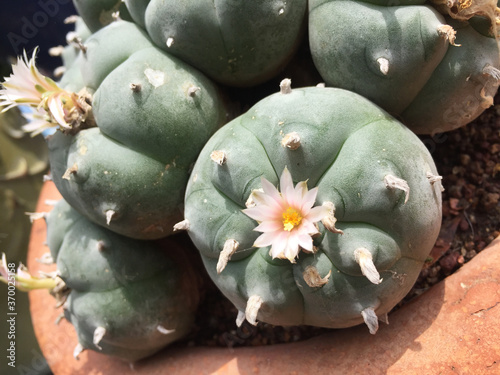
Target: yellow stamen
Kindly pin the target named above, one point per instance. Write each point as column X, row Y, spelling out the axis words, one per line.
column 291, row 219
column 464, row 4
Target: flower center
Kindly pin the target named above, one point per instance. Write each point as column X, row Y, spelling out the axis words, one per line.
column 291, row 219
column 464, row 4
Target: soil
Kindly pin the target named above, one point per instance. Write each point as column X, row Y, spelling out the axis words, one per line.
column 468, row 159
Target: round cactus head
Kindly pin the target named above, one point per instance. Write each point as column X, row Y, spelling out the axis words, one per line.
column 314, row 207
column 433, row 72
column 237, row 43
column 126, row 298
column 149, row 116
column 100, row 13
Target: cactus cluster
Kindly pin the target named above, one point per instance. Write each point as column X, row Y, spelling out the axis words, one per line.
column 313, row 205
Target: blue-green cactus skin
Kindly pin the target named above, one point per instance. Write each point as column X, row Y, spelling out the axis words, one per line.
column 143, row 294
column 154, row 113
column 432, row 72
column 347, row 147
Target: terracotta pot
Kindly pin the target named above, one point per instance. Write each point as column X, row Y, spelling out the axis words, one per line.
column 454, row 328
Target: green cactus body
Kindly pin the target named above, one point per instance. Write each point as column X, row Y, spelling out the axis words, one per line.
column 72, row 79
column 137, row 10
column 100, row 13
column 79, row 35
column 466, row 81
column 433, row 73
column 349, row 149
column 238, row 43
column 154, row 114
column 104, row 52
column 128, row 298
column 109, row 48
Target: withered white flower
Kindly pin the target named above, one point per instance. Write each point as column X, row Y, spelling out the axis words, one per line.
column 4, row 271
column 287, row 219
column 23, row 279
column 52, row 105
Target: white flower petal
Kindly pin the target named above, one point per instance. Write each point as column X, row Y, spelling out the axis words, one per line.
column 269, row 226
column 308, row 227
column 317, row 213
column 261, row 198
column 261, row 213
column 15, row 91
column 36, row 127
column 292, row 248
column 46, row 83
column 21, row 73
column 35, row 115
column 286, row 183
column 22, row 272
column 292, row 197
column 4, row 271
column 57, row 112
column 300, row 192
column 308, row 200
column 279, row 244
column 265, row 239
column 305, row 241
column 271, row 191
column 22, row 81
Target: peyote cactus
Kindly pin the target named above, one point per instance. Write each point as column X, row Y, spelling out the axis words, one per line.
column 75, row 40
column 100, row 13
column 378, row 214
column 315, row 207
column 432, row 71
column 126, row 298
column 153, row 113
column 238, row 43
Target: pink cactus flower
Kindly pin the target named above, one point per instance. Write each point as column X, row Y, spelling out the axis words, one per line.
column 287, row 219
